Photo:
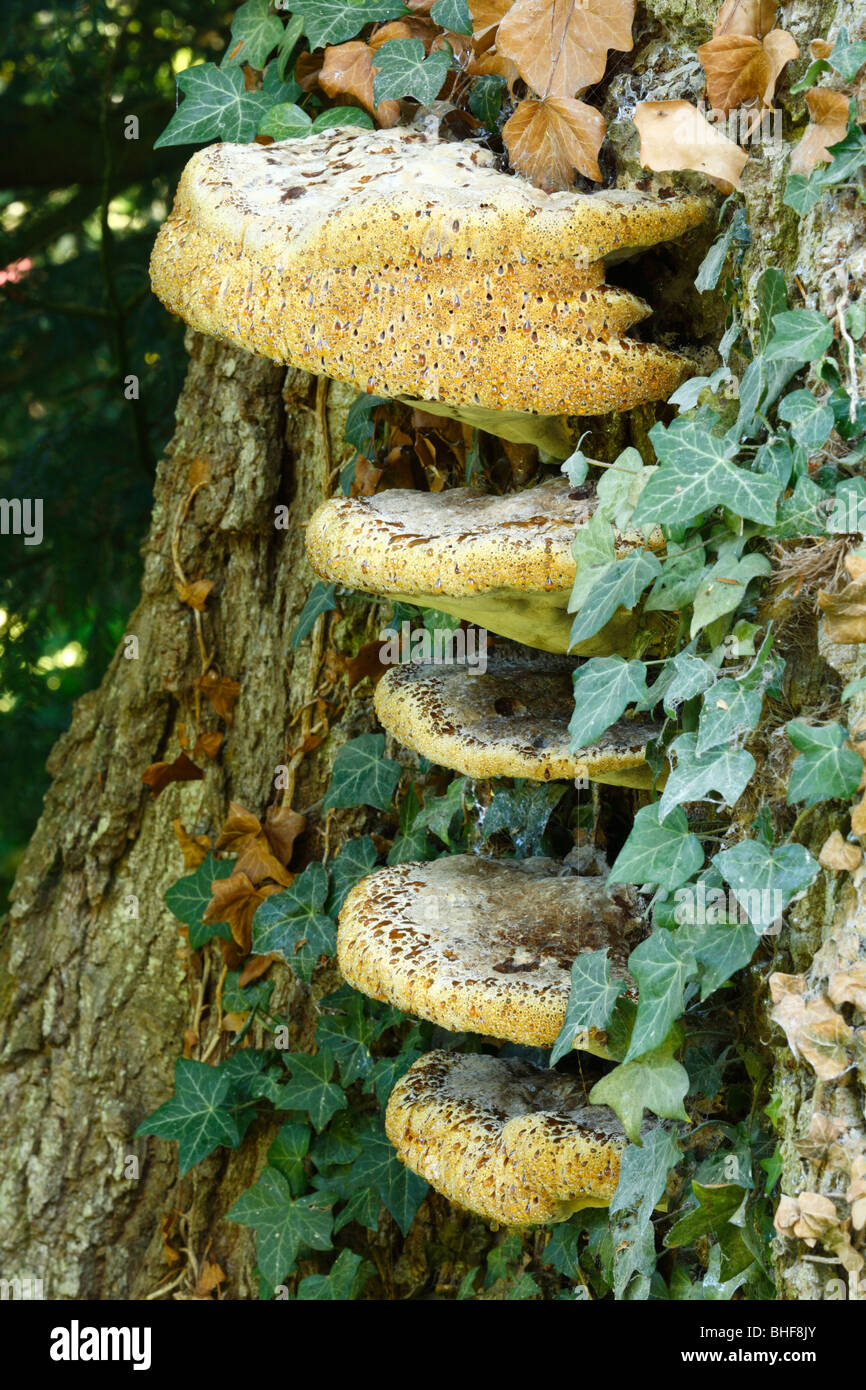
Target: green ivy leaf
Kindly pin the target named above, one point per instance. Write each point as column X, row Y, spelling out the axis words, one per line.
column 591, row 999
column 355, row 860
column 603, row 687
column 485, row 99
column 691, row 676
column 286, row 121
column 348, row 1034
column 343, row 1282
column 287, row 1153
column 825, row 768
column 292, row 32
column 403, row 71
column 772, row 300
column 321, row 600
column 593, row 552
column 725, row 770
column 802, row 194
column 730, row 709
column 720, row 948
column 387, row 1071
column 765, row 881
column 620, row 487
column 216, row 106
column 697, row 472
column 663, row 969
column 618, row 585
column 311, row 1088
column 722, row 588
column 800, row 335
column 811, row 420
column 653, row 853
column 677, row 585
column 188, row 899
column 524, row 810
column 803, row 513
column 292, row 923
column 197, row 1115
column 400, row 1190
column 643, row 1174
column 716, row 1206
column 656, row 1082
column 335, row 21
column 334, row 116
column 453, row 15
column 848, row 58
column 257, row 31
column 362, row 775
column 283, row 1225
column 439, row 812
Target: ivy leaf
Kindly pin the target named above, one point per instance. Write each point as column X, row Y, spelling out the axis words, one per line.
column 197, row 1115
column 772, row 300
column 485, row 102
column 825, row 768
column 575, row 468
column 593, row 551
column 453, row 15
column 621, row 486
column 697, row 473
column 591, row 999
column 311, row 1088
column 283, row 1224
column 716, row 1206
column 662, row 969
column 321, row 600
column 286, row 121
column 616, row 585
column 723, row 587
column 348, row 1034
column 189, row 897
column 403, row 71
column 848, row 58
column 725, row 770
column 293, row 925
column 387, row 1071
column 255, row 34
column 800, row 335
column 720, row 948
column 653, row 853
column 803, row 513
column 524, row 811
column 342, row 115
column 438, row 812
column 656, row 1082
column 343, row 1282
column 216, row 106
column 335, row 21
column 355, row 860
column 765, row 881
column 643, row 1174
column 811, row 420
column 802, row 194
column 400, row 1190
column 292, row 32
column 603, row 687
column 362, row 775
column 730, row 709
column 691, row 676
column 287, row 1153
column 677, row 585
column 776, row 457
column 762, row 383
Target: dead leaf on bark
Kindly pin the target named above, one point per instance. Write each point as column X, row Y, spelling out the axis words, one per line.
column 282, row 828
column 254, row 968
column 755, row 17
column 820, row 48
column 548, row 140
column 839, row 854
column 198, row 474
column 813, row 1028
column 849, row 986
column 239, row 826
column 259, row 863
column 845, row 613
column 675, row 135
column 365, row 663
column 221, row 691
column 234, row 900
column 194, row 848
column 160, row 775
column 829, row 121
column 348, row 71
column 411, row 28
column 561, row 46
column 208, row 744
column 210, row 1278
column 737, row 71
column 194, row 595
column 858, row 818
column 781, row 49
column 307, row 69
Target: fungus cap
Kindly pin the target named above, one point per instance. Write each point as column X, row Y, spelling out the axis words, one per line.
column 484, row 945
column 367, row 256
column 504, row 563
column 511, row 721
column 517, row 1144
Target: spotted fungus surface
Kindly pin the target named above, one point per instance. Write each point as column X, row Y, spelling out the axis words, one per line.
column 412, row 267
column 508, row 1140
column 504, row 563
column 484, row 945
column 510, row 721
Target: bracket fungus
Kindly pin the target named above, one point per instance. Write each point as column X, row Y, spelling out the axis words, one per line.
column 504, row 563
column 506, row 1139
column 512, row 721
column 412, row 267
column 484, row 945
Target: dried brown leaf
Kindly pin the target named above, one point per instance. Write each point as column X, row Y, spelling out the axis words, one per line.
column 561, row 46
column 239, row 827
column 486, row 14
column 753, row 17
column 258, row 863
column 496, row 65
column 675, row 135
column 845, row 613
column 208, row 744
column 849, row 986
column 858, row 818
column 781, row 48
column 839, row 854
column 548, row 140
column 235, row 900
column 348, row 71
column 194, row 595
column 282, row 828
column 829, row 121
column 198, row 473
column 193, row 847
column 221, row 691
column 813, row 1028
column 160, row 775
column 737, row 71
column 254, row 968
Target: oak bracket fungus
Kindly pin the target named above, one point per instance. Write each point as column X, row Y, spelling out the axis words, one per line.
column 484, row 945
column 504, row 563
column 512, row 721
column 411, row 267
column 506, row 1139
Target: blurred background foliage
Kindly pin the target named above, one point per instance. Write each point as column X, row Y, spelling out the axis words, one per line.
column 80, row 205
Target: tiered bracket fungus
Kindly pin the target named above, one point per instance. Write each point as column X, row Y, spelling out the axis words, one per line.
column 411, row 267
column 504, row 563
column 505, row 1139
column 512, row 721
column 484, row 945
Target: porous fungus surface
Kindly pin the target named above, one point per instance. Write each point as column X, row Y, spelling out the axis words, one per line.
column 412, row 267
column 516, row 1144
column 484, row 945
column 511, row 721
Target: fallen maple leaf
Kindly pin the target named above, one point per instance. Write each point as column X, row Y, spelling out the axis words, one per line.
column 160, row 775
column 845, row 613
column 548, row 140
column 221, row 691
column 194, row 595
column 193, row 847
column 561, row 46
column 348, row 71
column 674, row 135
column 829, row 121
